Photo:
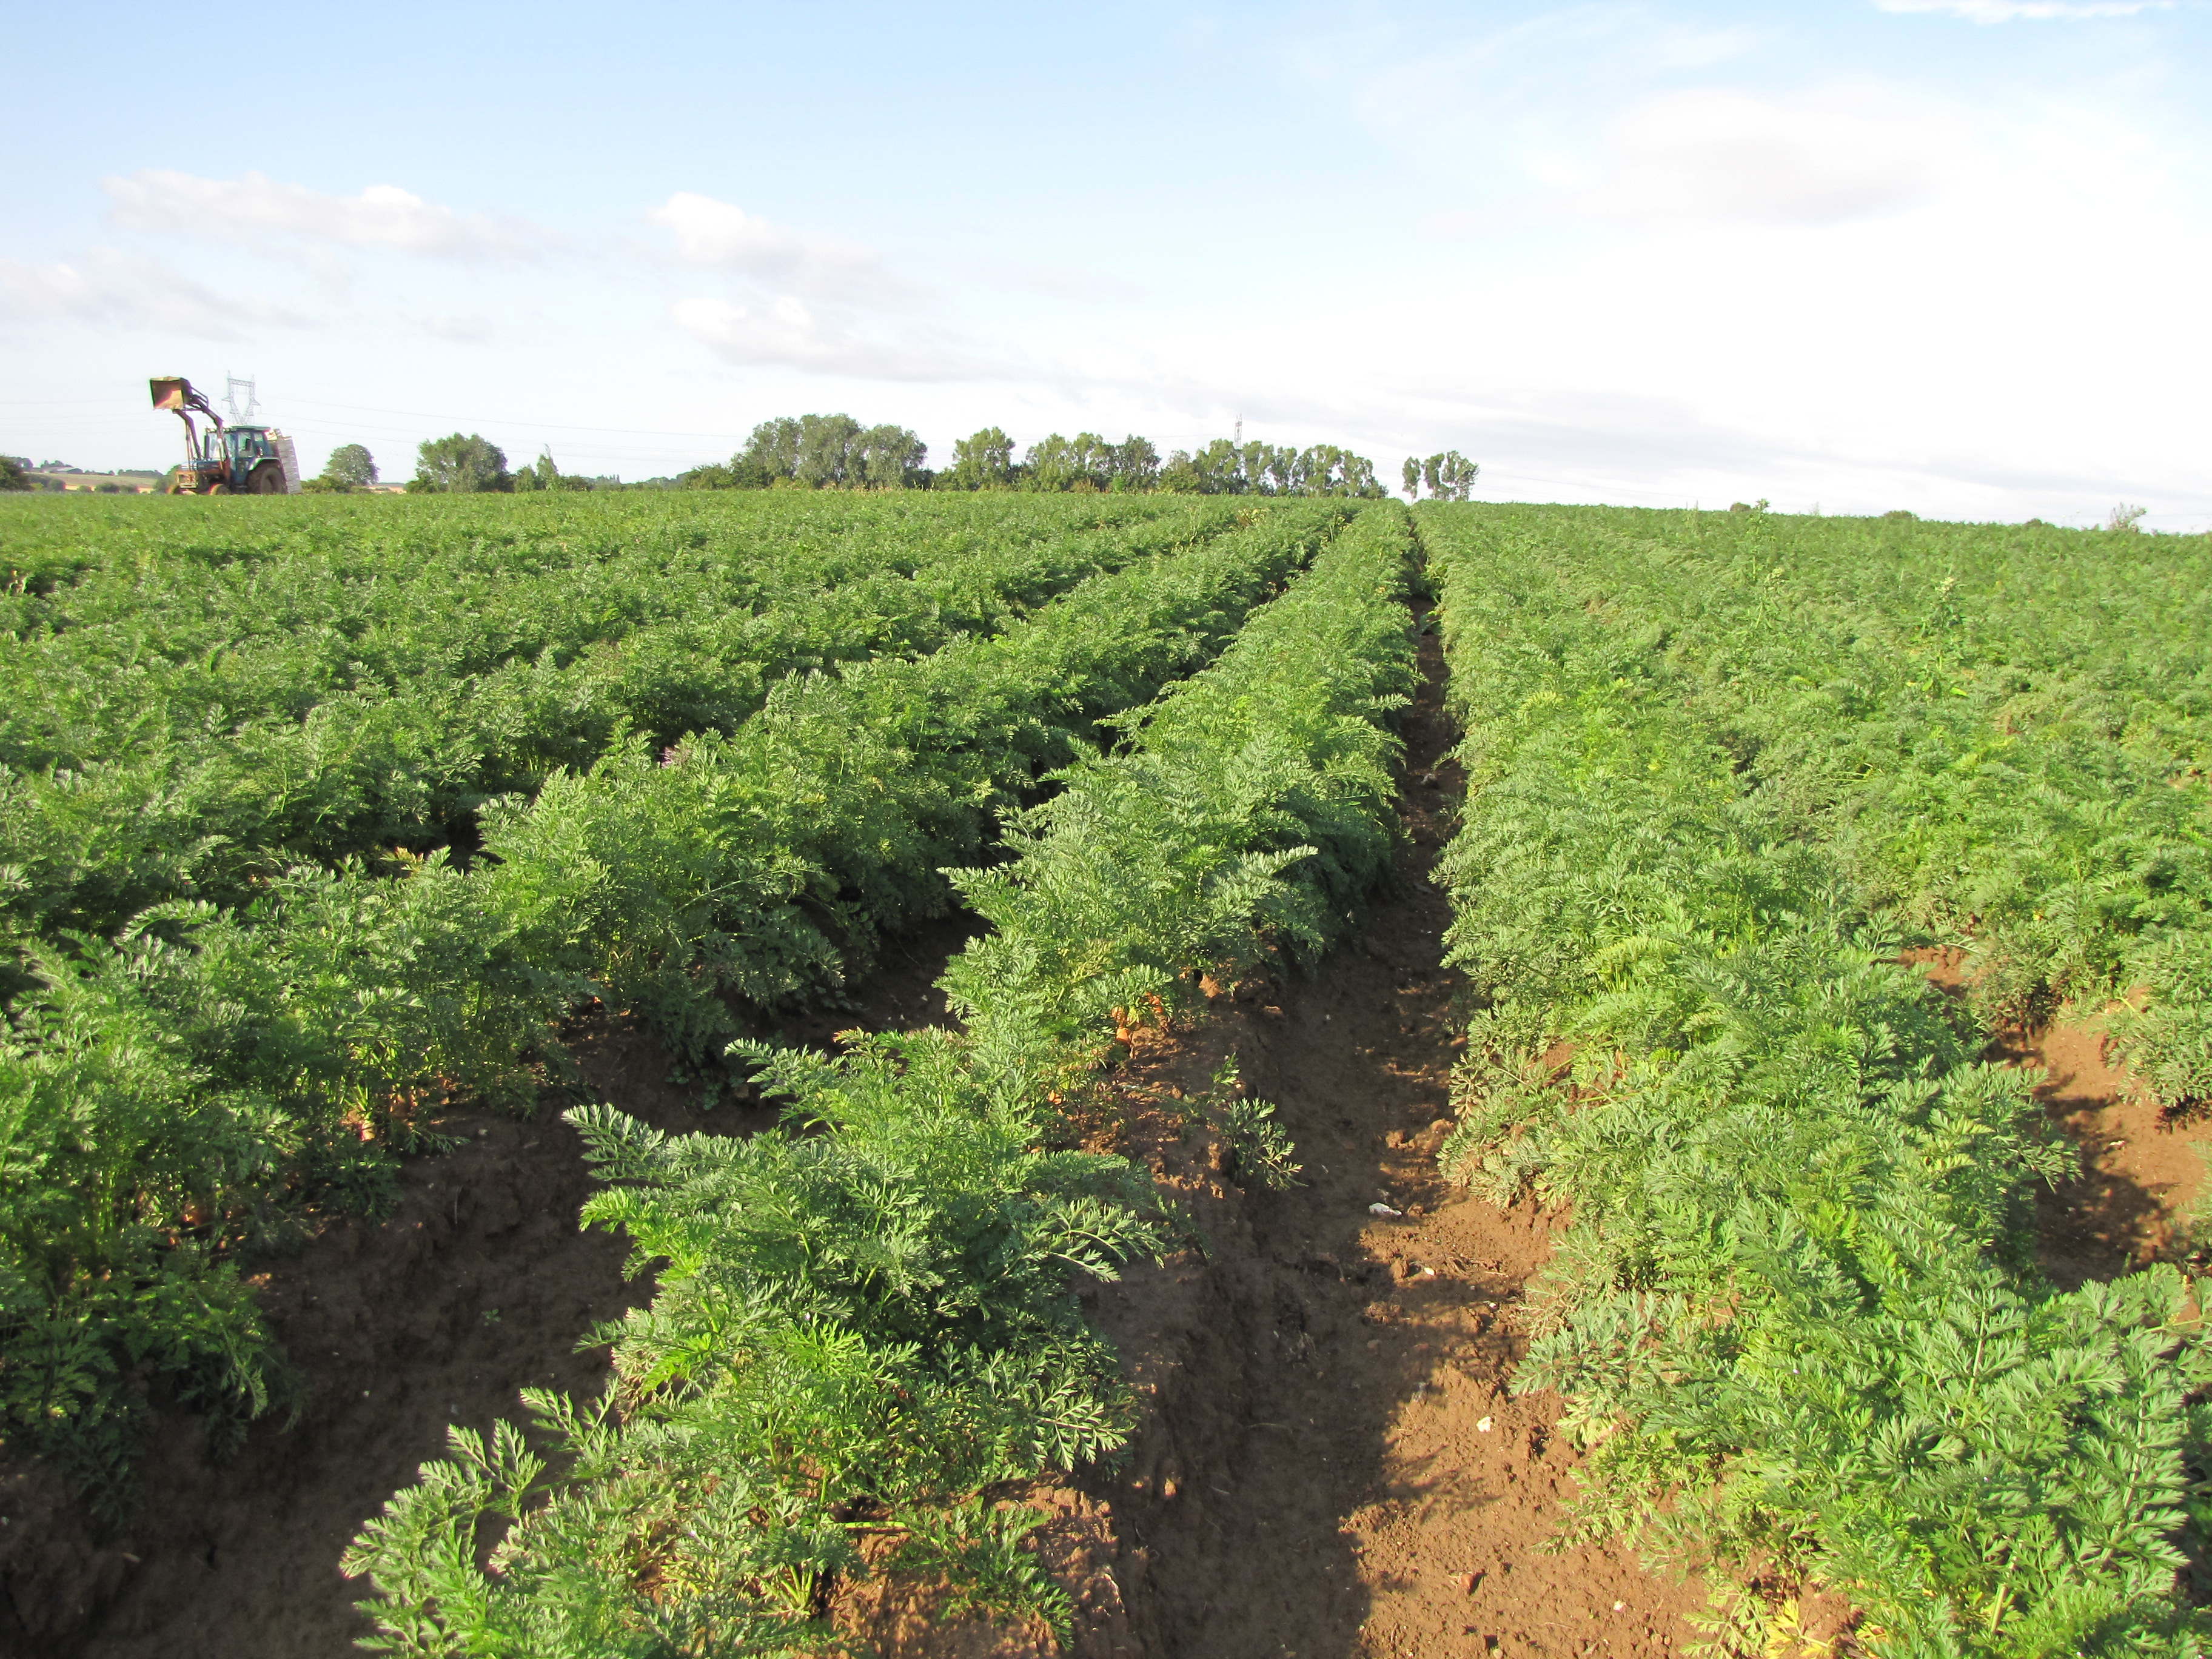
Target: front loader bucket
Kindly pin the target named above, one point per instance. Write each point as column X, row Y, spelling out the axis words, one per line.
column 170, row 393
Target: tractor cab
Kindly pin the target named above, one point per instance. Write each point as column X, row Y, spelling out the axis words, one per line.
column 245, row 447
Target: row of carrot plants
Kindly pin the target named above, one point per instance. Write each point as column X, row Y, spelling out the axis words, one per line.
column 864, row 1334
column 204, row 1080
column 1796, row 1317
column 2004, row 732
column 190, row 713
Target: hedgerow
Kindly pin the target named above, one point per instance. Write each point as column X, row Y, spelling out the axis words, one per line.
column 1797, row 1316
column 863, row 1327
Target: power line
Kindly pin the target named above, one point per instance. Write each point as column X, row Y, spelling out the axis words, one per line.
column 488, row 420
column 246, row 385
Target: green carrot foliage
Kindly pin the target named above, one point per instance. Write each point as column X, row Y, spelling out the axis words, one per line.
column 1797, row 1318
column 864, row 1324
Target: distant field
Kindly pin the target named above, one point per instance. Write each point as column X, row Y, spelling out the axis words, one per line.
column 135, row 483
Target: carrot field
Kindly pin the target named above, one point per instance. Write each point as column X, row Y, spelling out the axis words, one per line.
column 1110, row 1074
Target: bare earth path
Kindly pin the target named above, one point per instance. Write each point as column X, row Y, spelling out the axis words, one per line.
column 1334, row 1466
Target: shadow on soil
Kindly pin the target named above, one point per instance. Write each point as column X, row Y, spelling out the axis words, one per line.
column 2140, row 1171
column 480, row 1284
column 1280, row 1363
column 1332, row 1465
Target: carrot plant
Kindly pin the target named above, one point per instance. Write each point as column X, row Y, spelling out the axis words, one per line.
column 1248, row 813
column 2002, row 732
column 1797, row 1318
column 208, row 700
column 863, row 1329
column 863, row 1325
column 767, row 862
column 307, row 1027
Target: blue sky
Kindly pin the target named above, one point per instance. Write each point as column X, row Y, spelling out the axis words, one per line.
column 1942, row 254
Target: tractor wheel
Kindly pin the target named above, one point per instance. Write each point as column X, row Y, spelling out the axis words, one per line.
column 266, row 479
column 218, row 489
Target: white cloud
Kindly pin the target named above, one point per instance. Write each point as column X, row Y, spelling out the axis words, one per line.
column 784, row 331
column 115, row 292
column 724, row 236
column 259, row 209
column 1816, row 159
column 2011, row 11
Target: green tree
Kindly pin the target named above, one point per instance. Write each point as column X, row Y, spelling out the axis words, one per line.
column 1083, row 462
column 1216, row 470
column 462, row 464
column 16, row 473
column 1325, row 470
column 982, row 460
column 1221, row 465
column 1133, row 464
column 545, row 474
column 1179, row 475
column 886, row 458
column 1448, row 474
column 351, row 465
column 818, row 451
column 770, row 453
column 825, row 449
column 1224, row 468
column 1411, row 476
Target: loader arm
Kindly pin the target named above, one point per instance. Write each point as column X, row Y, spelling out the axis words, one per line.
column 177, row 394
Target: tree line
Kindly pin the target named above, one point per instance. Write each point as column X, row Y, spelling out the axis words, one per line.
column 826, row 451
column 836, row 451
column 462, row 464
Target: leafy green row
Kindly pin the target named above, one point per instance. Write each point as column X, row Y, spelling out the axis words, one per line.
column 863, row 1327
column 196, row 1081
column 2004, row 733
column 767, row 862
column 1173, row 854
column 1797, row 1316
column 185, row 721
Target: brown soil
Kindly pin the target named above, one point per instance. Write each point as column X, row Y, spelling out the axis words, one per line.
column 1336, row 1467
column 478, row 1285
column 1331, row 1464
column 2142, row 1172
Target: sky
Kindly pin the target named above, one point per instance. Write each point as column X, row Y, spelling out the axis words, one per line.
column 1841, row 255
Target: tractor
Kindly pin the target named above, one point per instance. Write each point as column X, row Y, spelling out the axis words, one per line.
column 238, row 459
